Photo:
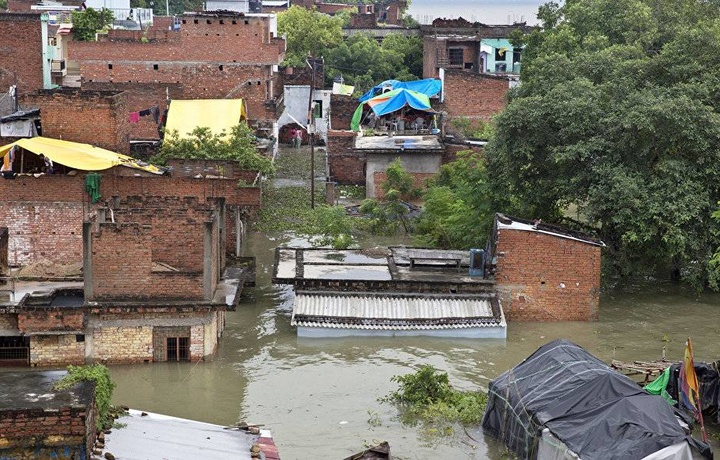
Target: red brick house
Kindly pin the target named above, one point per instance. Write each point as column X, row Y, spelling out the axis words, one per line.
column 155, row 289
column 544, row 272
column 213, row 55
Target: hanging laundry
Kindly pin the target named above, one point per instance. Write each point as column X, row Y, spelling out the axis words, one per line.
column 144, row 113
column 155, row 113
column 92, row 186
column 134, row 117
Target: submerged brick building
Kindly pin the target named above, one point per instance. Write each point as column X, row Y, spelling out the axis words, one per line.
column 544, row 272
column 155, row 289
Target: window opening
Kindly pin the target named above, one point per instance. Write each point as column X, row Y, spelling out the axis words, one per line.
column 178, row 349
column 456, row 56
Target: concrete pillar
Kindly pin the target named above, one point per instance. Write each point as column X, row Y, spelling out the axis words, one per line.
column 87, row 260
column 46, row 58
column 222, row 229
column 207, row 262
column 239, row 232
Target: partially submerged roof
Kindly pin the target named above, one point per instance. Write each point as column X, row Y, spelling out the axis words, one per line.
column 220, row 115
column 428, row 143
column 34, row 390
column 514, row 223
column 395, row 311
column 75, row 155
column 161, row 436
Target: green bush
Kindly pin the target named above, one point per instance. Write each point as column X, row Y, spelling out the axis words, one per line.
column 428, row 396
column 104, row 387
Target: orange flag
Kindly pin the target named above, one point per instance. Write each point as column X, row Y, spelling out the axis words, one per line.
column 689, row 388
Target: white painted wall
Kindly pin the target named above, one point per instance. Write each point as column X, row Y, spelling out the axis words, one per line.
column 296, row 108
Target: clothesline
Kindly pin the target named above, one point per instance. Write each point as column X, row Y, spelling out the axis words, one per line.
column 134, row 117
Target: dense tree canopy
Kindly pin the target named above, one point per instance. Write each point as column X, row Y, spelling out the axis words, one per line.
column 363, row 62
column 87, row 23
column 360, row 60
column 617, row 119
column 308, row 33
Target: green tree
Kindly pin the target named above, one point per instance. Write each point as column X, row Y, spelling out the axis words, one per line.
column 390, row 212
column 88, row 22
column 457, row 211
column 308, row 33
column 3, row 4
column 239, row 146
column 362, row 62
column 610, row 121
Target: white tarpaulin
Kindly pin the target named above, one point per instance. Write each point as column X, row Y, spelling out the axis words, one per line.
column 18, row 128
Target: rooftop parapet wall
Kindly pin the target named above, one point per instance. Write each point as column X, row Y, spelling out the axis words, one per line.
column 176, row 227
column 93, row 117
column 122, row 267
column 488, row 93
column 20, row 51
column 60, row 433
column 241, row 40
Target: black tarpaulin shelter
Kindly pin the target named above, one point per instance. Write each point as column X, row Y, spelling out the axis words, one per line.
column 562, row 402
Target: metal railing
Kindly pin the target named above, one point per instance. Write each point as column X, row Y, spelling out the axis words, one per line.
column 14, row 356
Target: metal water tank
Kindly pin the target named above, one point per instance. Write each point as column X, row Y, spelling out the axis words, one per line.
column 477, row 262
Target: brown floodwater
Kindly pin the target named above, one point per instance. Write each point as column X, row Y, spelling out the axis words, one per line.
column 320, row 397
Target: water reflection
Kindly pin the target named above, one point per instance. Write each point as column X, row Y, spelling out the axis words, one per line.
column 318, row 395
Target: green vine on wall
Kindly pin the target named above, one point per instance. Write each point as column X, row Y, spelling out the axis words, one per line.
column 104, row 387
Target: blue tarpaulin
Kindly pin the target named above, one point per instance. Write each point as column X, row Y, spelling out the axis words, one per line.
column 390, row 102
column 429, row 87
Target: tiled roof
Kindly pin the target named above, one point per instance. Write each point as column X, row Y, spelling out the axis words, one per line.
column 395, row 311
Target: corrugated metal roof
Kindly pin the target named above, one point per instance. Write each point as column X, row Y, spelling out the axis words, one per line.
column 394, row 311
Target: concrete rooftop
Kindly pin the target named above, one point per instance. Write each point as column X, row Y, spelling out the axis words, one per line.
column 34, row 390
column 392, row 264
column 161, row 436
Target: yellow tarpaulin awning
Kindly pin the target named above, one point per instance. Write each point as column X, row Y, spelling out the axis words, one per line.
column 75, row 155
column 217, row 114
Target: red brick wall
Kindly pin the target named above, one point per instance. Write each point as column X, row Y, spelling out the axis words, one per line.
column 141, row 96
column 177, row 226
column 332, row 8
column 91, row 117
column 346, row 167
column 542, row 277
column 62, row 433
column 40, row 230
column 363, row 20
column 224, row 168
column 122, row 262
column 20, row 51
column 487, row 94
column 44, row 215
column 43, row 320
column 227, row 57
column 342, row 109
column 182, row 187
